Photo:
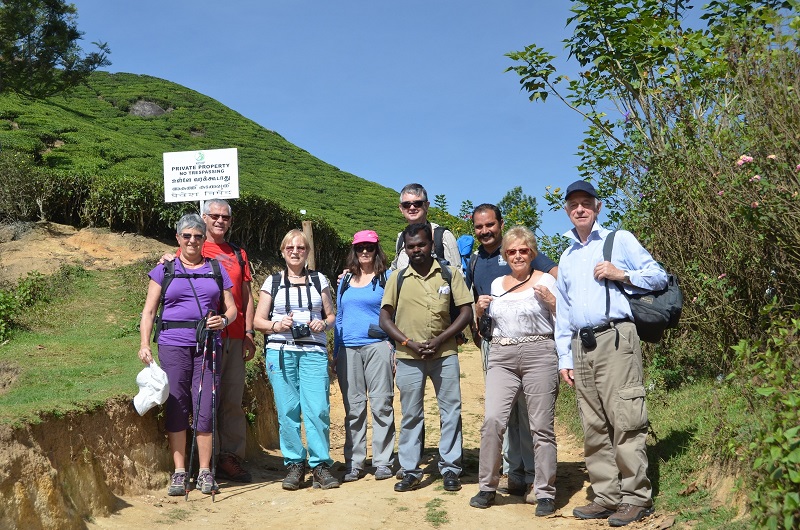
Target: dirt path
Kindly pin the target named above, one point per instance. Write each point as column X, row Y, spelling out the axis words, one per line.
column 368, row 503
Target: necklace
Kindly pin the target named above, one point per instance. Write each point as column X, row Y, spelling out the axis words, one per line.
column 189, row 263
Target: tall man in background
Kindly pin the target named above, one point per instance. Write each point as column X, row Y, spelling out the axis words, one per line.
column 484, row 267
column 414, row 206
column 595, row 333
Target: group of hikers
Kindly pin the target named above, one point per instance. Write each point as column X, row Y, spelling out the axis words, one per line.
column 396, row 325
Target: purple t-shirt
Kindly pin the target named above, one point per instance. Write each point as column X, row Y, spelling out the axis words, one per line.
column 181, row 305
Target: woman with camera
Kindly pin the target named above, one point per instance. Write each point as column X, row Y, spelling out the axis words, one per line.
column 522, row 358
column 364, row 359
column 296, row 318
column 196, row 297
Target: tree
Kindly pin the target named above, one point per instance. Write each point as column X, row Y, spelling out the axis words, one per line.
column 519, row 209
column 39, row 52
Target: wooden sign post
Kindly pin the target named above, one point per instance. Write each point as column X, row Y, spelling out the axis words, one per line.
column 309, row 232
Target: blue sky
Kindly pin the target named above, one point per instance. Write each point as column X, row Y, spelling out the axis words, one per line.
column 394, row 92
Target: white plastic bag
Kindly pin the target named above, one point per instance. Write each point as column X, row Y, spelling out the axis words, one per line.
column 153, row 388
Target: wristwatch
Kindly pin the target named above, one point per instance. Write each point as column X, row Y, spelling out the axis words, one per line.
column 250, row 332
column 224, row 321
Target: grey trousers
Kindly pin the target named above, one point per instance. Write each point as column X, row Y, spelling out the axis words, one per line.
column 529, row 369
column 518, row 461
column 445, row 373
column 231, row 423
column 367, row 371
column 611, row 400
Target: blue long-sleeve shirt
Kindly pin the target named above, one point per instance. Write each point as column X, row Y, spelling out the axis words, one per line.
column 581, row 300
column 356, row 309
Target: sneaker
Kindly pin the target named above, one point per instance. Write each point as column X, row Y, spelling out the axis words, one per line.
column 296, row 475
column 483, row 499
column 451, row 482
column 176, row 485
column 628, row 513
column 383, row 472
column 206, row 483
column 229, row 468
column 545, row 507
column 592, row 511
column 322, row 478
column 351, row 475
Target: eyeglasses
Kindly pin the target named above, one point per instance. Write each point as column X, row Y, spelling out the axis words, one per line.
column 369, row 247
column 217, row 216
column 187, row 237
column 299, row 249
column 522, row 251
column 416, row 204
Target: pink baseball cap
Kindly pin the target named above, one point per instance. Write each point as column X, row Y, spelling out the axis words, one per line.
column 365, row 236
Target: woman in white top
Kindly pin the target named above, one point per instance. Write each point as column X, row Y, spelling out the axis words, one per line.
column 522, row 358
column 297, row 361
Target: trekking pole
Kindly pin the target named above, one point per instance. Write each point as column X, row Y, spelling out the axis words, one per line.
column 196, row 416
column 213, row 341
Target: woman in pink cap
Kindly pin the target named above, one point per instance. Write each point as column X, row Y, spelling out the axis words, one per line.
column 364, row 359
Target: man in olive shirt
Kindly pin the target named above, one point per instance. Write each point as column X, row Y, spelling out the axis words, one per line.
column 418, row 320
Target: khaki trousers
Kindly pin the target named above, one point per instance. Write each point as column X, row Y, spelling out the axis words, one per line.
column 231, row 423
column 611, row 401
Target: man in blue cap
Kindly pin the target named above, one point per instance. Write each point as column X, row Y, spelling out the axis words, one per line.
column 599, row 354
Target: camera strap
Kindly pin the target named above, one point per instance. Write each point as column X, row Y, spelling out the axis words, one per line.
column 288, row 285
column 520, row 284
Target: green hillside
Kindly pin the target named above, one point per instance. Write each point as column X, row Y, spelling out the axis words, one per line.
column 91, row 132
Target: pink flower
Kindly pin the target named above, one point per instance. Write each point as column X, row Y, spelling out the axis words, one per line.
column 797, row 168
column 744, row 159
column 754, row 204
column 771, row 157
column 755, row 178
column 720, row 193
column 722, row 276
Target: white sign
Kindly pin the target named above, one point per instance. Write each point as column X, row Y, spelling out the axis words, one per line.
column 201, row 175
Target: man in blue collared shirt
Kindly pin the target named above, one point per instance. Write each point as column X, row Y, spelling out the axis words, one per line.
column 595, row 331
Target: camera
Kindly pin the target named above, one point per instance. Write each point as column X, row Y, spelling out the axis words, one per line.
column 300, row 331
column 587, row 338
column 485, row 326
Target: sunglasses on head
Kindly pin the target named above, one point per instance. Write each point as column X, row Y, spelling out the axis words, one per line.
column 369, row 247
column 217, row 216
column 187, row 237
column 416, row 204
column 522, row 251
column 298, row 248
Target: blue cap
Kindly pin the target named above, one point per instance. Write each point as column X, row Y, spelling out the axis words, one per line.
column 581, row 185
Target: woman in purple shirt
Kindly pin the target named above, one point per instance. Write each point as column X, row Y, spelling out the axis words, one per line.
column 191, row 295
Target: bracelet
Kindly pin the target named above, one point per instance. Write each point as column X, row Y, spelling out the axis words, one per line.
column 405, row 342
column 272, row 329
column 250, row 332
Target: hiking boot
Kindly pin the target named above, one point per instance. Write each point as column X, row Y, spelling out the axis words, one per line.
column 512, row 487
column 296, row 475
column 176, row 485
column 351, row 475
column 628, row 513
column 400, row 474
column 229, row 468
column 451, row 482
column 383, row 472
column 592, row 511
column 409, row 482
column 322, row 478
column 545, row 507
column 483, row 499
column 206, row 483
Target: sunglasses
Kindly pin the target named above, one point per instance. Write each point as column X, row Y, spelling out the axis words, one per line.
column 416, row 204
column 369, row 247
column 217, row 216
column 522, row 251
column 299, row 249
column 187, row 237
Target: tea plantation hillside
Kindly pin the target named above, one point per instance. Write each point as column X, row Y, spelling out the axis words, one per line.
column 91, row 132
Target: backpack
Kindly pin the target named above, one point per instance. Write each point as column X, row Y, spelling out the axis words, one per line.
column 438, row 244
column 169, row 275
column 465, row 244
column 345, row 283
column 448, row 277
column 277, row 284
column 654, row 311
column 237, row 250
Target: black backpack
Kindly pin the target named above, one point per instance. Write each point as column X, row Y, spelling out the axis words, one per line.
column 654, row 311
column 169, row 275
column 438, row 243
column 277, row 285
column 345, row 283
column 448, row 277
column 237, row 250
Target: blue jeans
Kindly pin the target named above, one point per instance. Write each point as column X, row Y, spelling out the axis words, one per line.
column 301, row 387
column 410, row 379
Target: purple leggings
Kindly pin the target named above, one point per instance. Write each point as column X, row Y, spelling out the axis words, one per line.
column 183, row 365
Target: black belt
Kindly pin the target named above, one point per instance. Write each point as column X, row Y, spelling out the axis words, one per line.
column 605, row 327
column 173, row 324
column 297, row 343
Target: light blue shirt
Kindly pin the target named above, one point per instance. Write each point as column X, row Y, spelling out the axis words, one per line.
column 357, row 308
column 581, row 300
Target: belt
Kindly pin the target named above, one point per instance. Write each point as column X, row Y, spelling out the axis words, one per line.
column 173, row 324
column 296, row 343
column 605, row 327
column 509, row 341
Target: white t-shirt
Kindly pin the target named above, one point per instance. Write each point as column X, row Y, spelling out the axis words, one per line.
column 520, row 313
